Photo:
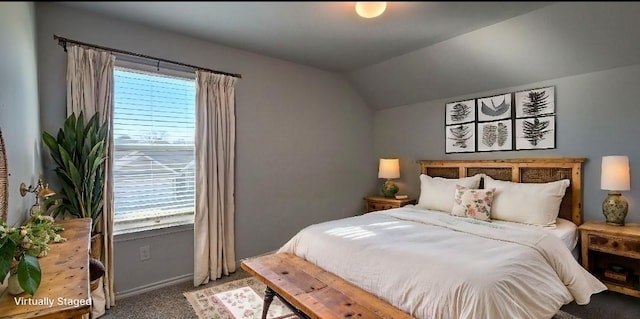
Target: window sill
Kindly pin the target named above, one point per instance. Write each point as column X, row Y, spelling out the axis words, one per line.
column 128, row 226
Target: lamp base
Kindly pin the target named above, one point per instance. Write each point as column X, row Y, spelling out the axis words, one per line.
column 615, row 209
column 389, row 189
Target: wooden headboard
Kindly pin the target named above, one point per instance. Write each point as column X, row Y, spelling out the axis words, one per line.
column 522, row 170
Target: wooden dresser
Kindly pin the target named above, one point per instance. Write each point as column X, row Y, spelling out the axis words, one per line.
column 65, row 279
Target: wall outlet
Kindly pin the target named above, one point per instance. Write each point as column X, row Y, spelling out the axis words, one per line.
column 145, row 253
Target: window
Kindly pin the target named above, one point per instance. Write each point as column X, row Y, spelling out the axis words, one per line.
column 154, row 154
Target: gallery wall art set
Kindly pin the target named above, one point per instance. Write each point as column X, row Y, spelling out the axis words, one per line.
column 523, row 120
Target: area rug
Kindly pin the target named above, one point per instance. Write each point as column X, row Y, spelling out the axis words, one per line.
column 242, row 299
column 239, row 299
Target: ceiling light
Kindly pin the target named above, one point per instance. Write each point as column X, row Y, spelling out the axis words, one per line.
column 370, row 9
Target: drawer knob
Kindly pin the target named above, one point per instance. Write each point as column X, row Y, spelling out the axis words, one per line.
column 615, row 244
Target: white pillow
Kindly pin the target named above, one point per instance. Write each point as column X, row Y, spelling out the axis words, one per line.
column 527, row 203
column 437, row 193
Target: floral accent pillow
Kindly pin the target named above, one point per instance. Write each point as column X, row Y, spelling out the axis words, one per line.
column 473, row 203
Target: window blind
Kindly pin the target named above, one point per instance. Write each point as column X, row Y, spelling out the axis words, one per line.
column 154, row 145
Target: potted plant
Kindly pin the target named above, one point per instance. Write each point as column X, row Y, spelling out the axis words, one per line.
column 79, row 151
column 20, row 248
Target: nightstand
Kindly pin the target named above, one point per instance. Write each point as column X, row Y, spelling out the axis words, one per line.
column 373, row 203
column 605, row 246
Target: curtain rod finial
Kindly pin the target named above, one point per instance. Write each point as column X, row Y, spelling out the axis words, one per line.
column 63, row 43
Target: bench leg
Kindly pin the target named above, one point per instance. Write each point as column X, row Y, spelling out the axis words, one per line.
column 268, row 298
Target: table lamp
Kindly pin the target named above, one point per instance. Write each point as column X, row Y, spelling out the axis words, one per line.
column 615, row 178
column 389, row 169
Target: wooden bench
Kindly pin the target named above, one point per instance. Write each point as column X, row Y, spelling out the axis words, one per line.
column 311, row 292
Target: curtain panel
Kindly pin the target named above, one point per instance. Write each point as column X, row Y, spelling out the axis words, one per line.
column 214, row 238
column 90, row 85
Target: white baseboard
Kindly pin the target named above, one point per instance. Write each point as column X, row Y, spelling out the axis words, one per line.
column 153, row 286
column 166, row 282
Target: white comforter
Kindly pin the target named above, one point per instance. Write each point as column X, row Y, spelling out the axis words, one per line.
column 433, row 265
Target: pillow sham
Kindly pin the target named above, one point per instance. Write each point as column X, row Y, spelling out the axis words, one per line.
column 527, row 203
column 436, row 193
column 473, row 203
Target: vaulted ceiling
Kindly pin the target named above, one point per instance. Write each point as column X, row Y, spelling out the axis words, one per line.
column 415, row 51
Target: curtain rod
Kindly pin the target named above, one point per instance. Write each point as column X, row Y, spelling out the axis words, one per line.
column 63, row 42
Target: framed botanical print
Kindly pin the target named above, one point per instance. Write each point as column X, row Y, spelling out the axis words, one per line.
column 535, row 133
column 536, row 102
column 495, row 136
column 494, row 108
column 460, row 138
column 460, row 112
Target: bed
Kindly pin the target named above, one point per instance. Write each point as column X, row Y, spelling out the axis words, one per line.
column 431, row 264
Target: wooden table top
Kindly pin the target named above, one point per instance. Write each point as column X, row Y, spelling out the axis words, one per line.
column 629, row 229
column 64, row 288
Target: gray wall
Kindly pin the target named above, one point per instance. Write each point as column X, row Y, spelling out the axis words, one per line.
column 559, row 40
column 597, row 115
column 19, row 103
column 304, row 139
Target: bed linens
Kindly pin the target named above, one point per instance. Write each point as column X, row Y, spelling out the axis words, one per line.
column 565, row 230
column 433, row 265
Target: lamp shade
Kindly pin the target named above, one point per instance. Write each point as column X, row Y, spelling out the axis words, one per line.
column 615, row 173
column 389, row 168
column 370, row 9
column 46, row 192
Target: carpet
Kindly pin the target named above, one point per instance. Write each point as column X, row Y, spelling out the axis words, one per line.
column 239, row 299
column 242, row 299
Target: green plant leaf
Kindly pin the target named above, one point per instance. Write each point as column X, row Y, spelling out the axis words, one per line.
column 69, row 200
column 52, row 144
column 7, row 251
column 81, row 152
column 29, row 274
column 69, row 135
column 63, row 175
column 58, row 211
column 51, row 201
